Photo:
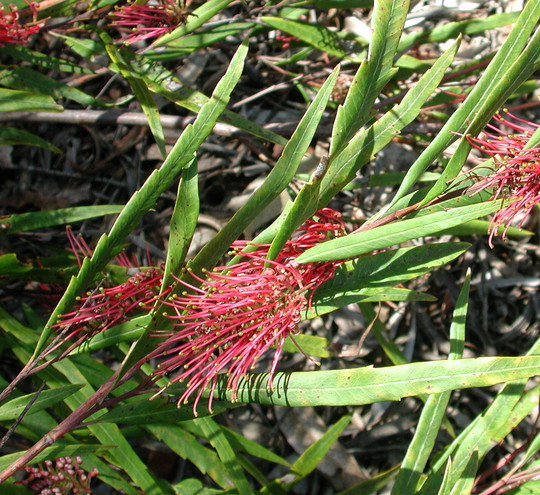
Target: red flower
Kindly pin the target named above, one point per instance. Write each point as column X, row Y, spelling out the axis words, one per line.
column 12, row 32
column 106, row 307
column 149, row 21
column 516, row 176
column 240, row 311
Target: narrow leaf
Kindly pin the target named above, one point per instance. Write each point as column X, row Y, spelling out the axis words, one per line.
column 395, row 233
column 368, row 385
column 25, row 222
column 12, row 100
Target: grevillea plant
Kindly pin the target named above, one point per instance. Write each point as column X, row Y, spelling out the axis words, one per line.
column 311, row 296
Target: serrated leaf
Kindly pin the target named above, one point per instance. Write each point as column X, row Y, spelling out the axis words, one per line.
column 275, row 183
column 387, row 25
column 119, row 58
column 183, row 223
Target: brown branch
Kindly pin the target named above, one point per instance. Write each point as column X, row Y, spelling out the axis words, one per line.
column 85, row 410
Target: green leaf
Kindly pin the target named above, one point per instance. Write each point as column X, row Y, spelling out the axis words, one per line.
column 372, row 485
column 310, row 344
column 40, row 59
column 241, row 443
column 10, row 136
column 123, row 455
column 157, row 411
column 31, row 80
column 316, row 452
column 368, row 385
column 25, row 222
column 429, row 424
column 362, row 147
column 278, row 179
column 374, row 72
column 12, row 100
column 194, row 20
column 179, row 158
column 128, row 331
column 10, row 265
column 12, row 409
column 183, row 222
column 206, row 36
column 57, row 450
column 460, row 482
column 303, row 207
column 84, row 47
column 342, row 4
column 163, row 82
column 451, row 30
column 505, row 412
column 188, row 447
column 140, row 89
column 395, row 233
column 367, row 276
column 315, row 35
column 218, row 440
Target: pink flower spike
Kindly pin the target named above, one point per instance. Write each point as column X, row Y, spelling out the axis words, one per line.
column 516, row 175
column 239, row 312
column 149, row 21
column 12, row 32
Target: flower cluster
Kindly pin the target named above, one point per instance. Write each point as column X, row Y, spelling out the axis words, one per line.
column 62, row 477
column 149, row 21
column 516, row 176
column 105, row 307
column 228, row 320
column 12, row 32
column 99, row 310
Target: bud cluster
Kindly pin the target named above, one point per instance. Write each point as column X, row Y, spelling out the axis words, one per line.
column 62, row 476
